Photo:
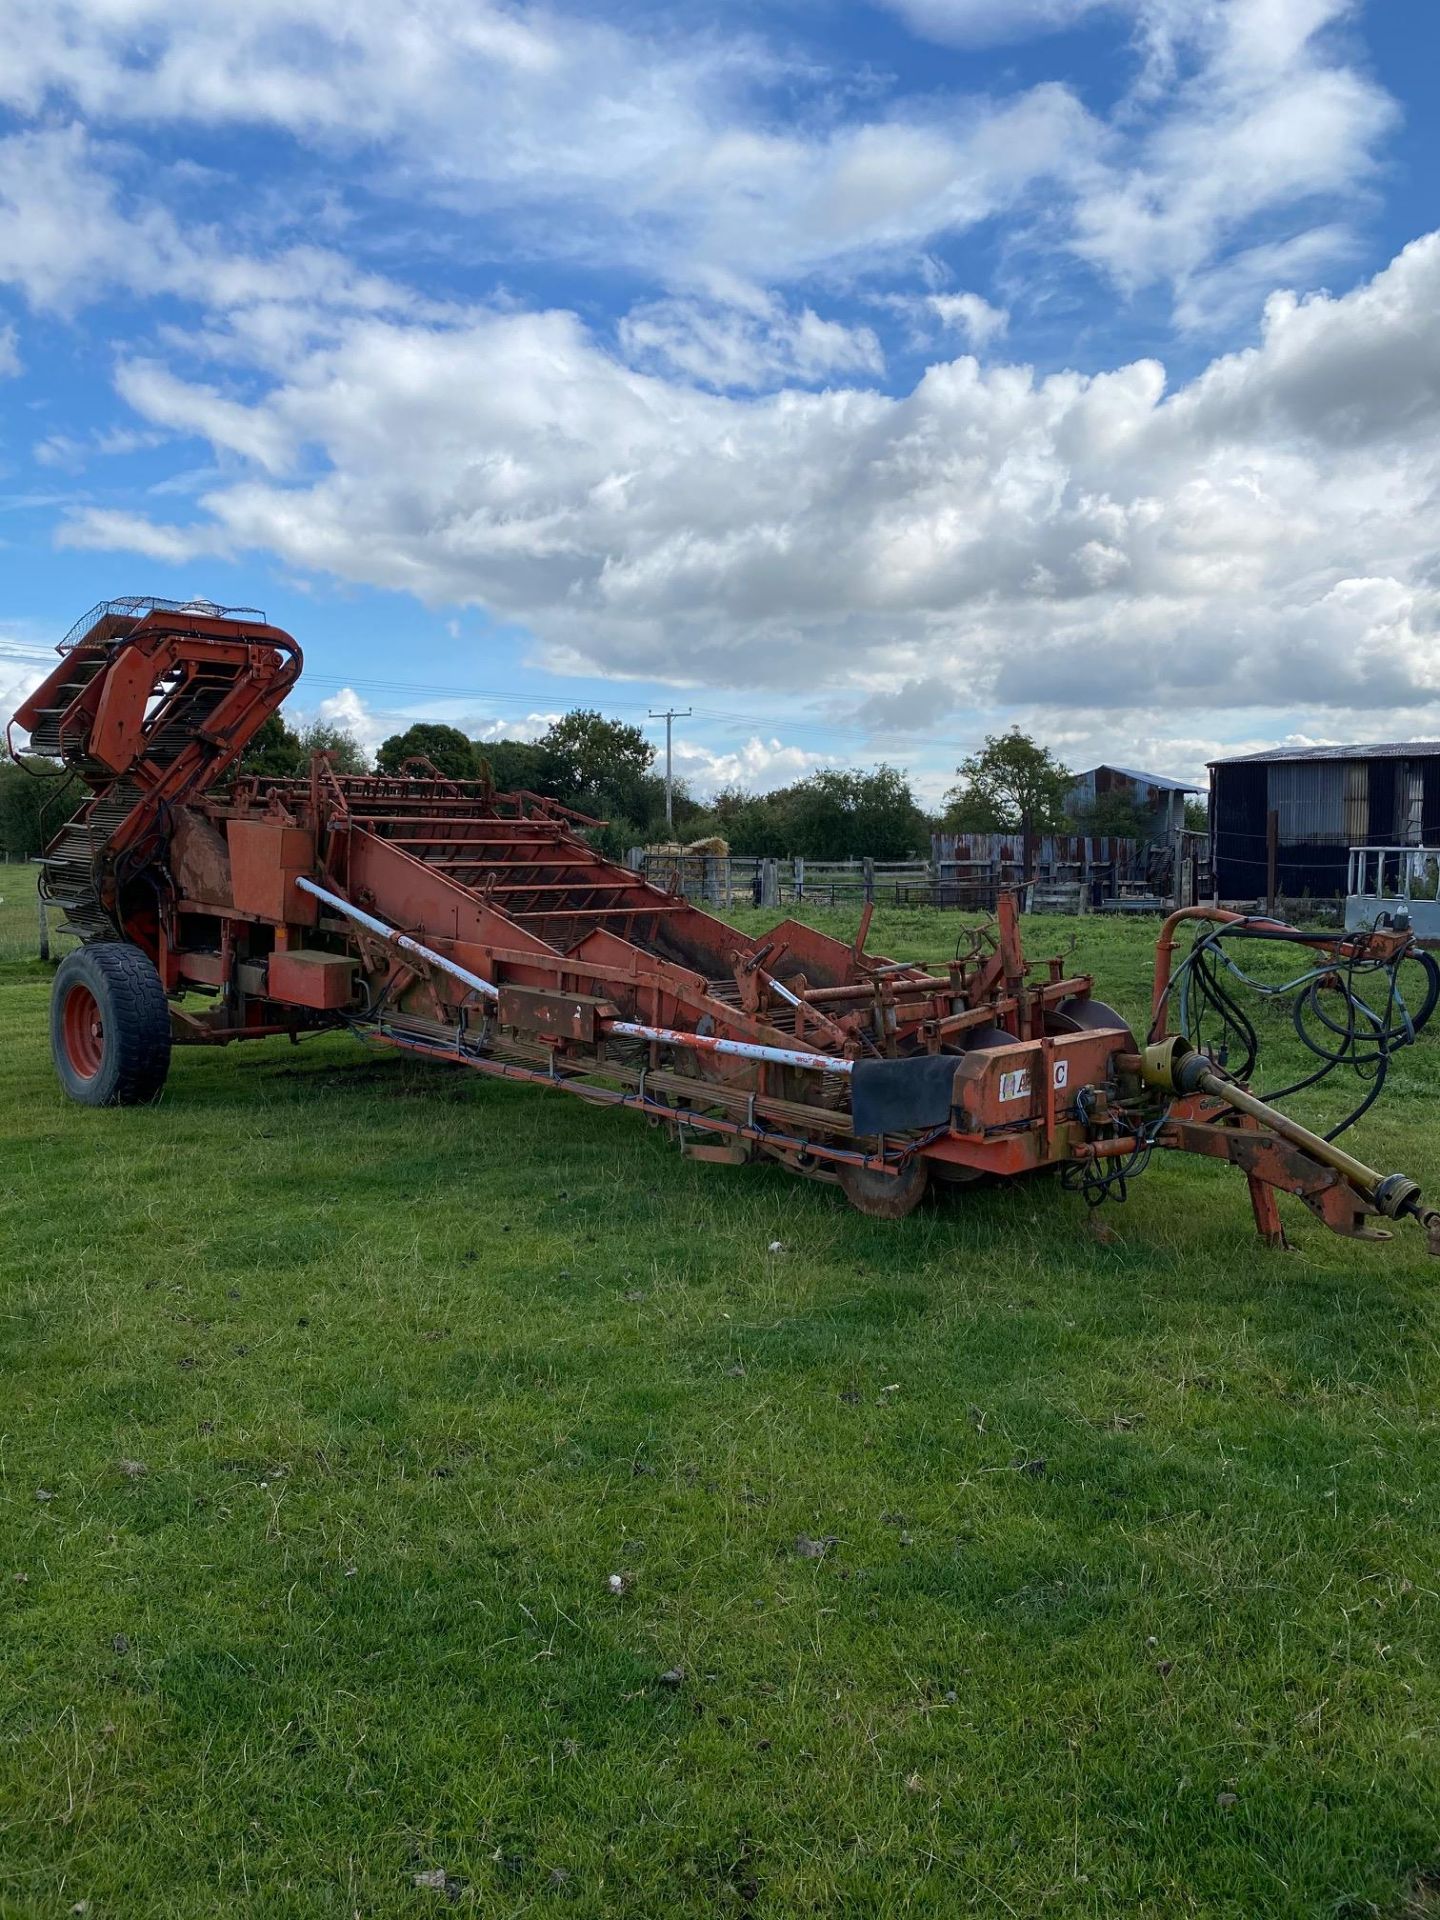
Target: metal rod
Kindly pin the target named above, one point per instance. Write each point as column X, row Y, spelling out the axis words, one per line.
column 634, row 909
column 579, row 884
column 865, row 989
column 819, row 1019
column 435, row 823
column 379, row 927
column 1364, row 1179
column 667, row 1036
column 742, row 1049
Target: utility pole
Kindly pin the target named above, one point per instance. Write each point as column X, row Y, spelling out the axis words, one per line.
column 669, row 716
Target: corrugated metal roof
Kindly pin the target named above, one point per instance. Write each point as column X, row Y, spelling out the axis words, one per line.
column 1145, row 779
column 1367, row 750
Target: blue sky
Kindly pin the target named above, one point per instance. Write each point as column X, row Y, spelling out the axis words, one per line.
column 865, row 378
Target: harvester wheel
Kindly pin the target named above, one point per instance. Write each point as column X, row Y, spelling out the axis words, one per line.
column 109, row 1026
column 886, row 1196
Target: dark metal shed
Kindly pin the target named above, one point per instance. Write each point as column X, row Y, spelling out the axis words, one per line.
column 1327, row 800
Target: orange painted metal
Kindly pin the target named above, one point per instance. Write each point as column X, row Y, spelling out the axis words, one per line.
column 82, row 1030
column 552, row 1015
column 302, row 977
column 266, row 858
column 606, row 986
column 199, row 969
column 1275, row 1165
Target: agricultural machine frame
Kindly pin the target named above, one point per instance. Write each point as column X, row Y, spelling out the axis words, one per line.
column 444, row 919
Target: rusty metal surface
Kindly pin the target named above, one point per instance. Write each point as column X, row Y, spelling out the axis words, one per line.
column 302, row 977
column 461, row 924
column 554, row 1016
column 267, row 857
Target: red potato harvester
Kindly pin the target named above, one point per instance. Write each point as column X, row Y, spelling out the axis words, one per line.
column 481, row 929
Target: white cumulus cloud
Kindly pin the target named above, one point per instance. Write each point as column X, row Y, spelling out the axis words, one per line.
column 724, row 485
column 575, row 137
column 1263, row 530
column 980, row 23
column 758, row 765
column 754, row 344
column 71, row 233
column 970, row 315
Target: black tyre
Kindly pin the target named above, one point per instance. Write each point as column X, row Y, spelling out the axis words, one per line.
column 886, row 1196
column 109, row 1026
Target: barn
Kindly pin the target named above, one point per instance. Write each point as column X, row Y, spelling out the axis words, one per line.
column 1325, row 801
column 1163, row 800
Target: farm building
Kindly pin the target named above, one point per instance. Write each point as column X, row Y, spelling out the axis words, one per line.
column 1326, row 800
column 1163, row 800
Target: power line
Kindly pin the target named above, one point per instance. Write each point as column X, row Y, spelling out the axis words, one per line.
column 795, row 730
column 491, row 696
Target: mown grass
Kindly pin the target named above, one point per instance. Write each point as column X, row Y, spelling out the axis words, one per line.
column 336, row 1388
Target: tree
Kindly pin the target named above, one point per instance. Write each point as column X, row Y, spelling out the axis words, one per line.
column 446, row 748
column 345, row 751
column 1013, row 784
column 885, row 821
column 687, row 809
column 747, row 821
column 513, row 764
column 275, row 752
column 728, row 805
column 1117, row 814
column 752, row 824
column 842, row 815
column 1197, row 816
column 597, row 765
column 27, row 823
column 832, row 815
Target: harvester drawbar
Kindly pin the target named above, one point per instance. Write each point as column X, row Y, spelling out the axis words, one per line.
column 482, row 929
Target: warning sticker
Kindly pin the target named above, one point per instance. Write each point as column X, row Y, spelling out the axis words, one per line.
column 1015, row 1086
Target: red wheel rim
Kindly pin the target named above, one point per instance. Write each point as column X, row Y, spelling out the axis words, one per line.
column 84, row 1032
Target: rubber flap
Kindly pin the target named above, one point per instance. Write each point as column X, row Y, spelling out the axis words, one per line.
column 902, row 1096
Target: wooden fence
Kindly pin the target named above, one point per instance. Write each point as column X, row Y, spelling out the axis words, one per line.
column 1073, row 872
column 723, row 880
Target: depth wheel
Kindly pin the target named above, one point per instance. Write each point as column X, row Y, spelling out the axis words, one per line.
column 886, row 1196
column 109, row 1026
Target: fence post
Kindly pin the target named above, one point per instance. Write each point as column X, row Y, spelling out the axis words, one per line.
column 769, row 883
column 867, row 866
column 799, row 865
column 1272, row 857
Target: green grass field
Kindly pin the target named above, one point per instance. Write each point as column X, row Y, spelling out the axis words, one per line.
column 978, row 1564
